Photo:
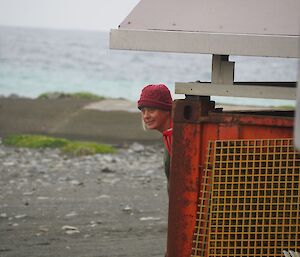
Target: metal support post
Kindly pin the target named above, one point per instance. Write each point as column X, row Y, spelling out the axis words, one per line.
column 185, row 176
column 222, row 70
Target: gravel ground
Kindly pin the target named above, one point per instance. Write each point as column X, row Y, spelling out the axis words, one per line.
column 101, row 205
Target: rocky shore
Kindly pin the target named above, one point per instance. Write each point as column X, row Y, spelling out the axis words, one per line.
column 93, row 206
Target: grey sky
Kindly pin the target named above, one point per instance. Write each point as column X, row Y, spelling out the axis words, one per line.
column 78, row 14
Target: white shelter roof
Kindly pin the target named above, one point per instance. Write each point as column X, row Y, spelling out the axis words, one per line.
column 225, row 27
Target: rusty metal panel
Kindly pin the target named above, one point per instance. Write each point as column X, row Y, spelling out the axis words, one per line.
column 183, row 190
column 252, row 142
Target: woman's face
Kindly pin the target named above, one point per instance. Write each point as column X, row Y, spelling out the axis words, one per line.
column 156, row 118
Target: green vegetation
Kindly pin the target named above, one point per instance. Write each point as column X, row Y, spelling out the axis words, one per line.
column 287, row 107
column 35, row 141
column 74, row 148
column 86, row 148
column 78, row 95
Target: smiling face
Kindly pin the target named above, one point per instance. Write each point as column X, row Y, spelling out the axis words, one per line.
column 155, row 118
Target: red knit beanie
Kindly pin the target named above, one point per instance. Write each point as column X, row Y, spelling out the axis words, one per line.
column 157, row 96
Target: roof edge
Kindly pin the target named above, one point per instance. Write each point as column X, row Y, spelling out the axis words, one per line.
column 205, row 43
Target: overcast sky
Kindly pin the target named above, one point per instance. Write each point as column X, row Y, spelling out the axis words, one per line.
column 74, row 14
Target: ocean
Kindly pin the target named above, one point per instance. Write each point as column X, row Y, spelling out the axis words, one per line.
column 35, row 60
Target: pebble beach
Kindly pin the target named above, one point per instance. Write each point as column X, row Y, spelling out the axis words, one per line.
column 102, row 205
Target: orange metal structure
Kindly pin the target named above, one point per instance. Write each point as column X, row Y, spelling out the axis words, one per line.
column 234, row 185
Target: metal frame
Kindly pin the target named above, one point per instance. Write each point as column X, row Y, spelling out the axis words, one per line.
column 223, row 84
column 237, row 90
column 205, row 43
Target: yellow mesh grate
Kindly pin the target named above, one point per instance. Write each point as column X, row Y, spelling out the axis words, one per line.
column 255, row 199
column 203, row 208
